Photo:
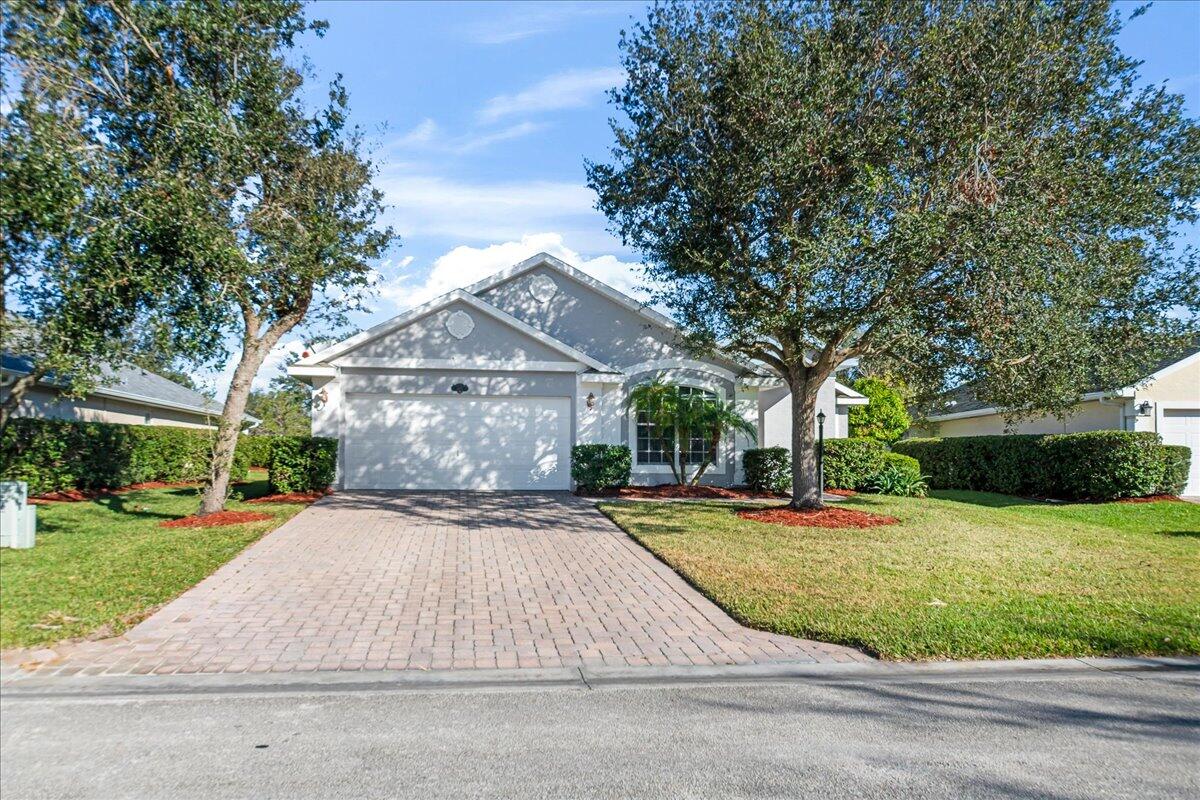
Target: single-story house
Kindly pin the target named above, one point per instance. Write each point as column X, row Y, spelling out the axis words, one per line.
column 488, row 387
column 127, row 395
column 1166, row 401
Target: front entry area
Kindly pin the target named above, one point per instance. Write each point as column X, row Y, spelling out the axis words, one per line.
column 408, row 442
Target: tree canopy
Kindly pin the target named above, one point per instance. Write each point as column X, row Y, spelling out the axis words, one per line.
column 262, row 208
column 963, row 191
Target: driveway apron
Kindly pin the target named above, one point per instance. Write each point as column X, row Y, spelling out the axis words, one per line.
column 442, row 580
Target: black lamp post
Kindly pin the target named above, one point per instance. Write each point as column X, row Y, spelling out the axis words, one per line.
column 821, row 452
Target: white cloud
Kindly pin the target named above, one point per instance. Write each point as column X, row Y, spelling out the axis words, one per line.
column 429, row 205
column 429, row 137
column 525, row 21
column 571, row 89
column 465, row 265
column 422, row 134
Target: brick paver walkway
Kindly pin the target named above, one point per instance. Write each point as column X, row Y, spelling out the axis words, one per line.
column 438, row 581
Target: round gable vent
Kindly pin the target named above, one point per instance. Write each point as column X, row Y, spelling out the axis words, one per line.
column 542, row 287
column 459, row 324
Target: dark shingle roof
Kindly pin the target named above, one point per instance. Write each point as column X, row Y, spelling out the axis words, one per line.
column 133, row 383
column 962, row 398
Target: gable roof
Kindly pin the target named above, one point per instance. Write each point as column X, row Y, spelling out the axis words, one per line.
column 131, row 383
column 961, row 401
column 425, row 309
column 615, row 295
column 547, row 260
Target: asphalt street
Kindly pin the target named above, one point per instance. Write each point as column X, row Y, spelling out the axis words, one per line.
column 1089, row 735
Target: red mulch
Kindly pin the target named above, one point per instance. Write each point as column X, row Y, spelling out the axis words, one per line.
column 830, row 517
column 213, row 520
column 1154, row 498
column 80, row 495
column 667, row 491
column 292, row 497
column 841, row 492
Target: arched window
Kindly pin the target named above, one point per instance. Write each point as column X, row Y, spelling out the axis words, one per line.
column 655, row 446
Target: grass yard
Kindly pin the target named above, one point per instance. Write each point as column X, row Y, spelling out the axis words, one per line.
column 963, row 575
column 104, row 565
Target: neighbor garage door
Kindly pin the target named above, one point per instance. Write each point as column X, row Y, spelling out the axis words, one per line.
column 409, row 442
column 1182, row 426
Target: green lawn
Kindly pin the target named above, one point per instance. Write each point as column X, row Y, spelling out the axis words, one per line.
column 963, row 575
column 104, row 565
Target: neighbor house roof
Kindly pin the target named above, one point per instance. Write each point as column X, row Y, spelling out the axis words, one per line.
column 133, row 384
column 961, row 401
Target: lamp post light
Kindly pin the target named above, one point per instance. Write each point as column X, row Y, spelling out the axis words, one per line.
column 821, row 453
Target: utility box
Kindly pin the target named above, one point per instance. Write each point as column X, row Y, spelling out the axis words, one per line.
column 18, row 519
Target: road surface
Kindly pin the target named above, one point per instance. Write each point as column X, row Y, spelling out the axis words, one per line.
column 1064, row 735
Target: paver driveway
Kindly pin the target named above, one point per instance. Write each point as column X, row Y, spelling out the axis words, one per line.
column 435, row 581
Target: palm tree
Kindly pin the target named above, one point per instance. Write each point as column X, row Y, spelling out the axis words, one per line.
column 669, row 408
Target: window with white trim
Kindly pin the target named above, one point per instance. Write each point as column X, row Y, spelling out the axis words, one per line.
column 656, row 446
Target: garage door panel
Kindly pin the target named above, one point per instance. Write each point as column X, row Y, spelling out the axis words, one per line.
column 1182, row 426
column 401, row 442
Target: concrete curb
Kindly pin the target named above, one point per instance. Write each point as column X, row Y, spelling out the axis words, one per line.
column 581, row 679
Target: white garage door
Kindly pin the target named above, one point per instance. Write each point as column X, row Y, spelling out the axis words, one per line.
column 1182, row 426
column 408, row 442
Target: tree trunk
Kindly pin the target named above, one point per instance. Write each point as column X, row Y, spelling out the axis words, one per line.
column 14, row 395
column 254, row 352
column 806, row 491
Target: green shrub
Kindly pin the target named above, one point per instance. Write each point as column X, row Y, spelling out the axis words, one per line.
column 900, row 476
column 768, row 469
column 1097, row 465
column 1105, row 465
column 302, row 463
column 59, row 455
column 255, row 449
column 1176, row 461
column 850, row 463
column 600, row 466
column 1014, row 464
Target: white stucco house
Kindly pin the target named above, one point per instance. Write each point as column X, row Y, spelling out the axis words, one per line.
column 489, row 386
column 1165, row 401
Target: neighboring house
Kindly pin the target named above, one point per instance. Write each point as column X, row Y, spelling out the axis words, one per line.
column 1166, row 401
column 488, row 387
column 127, row 395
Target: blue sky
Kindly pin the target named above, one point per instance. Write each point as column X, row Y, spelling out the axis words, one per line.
column 481, row 115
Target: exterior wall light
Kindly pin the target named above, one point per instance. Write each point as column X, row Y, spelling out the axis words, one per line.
column 1143, row 408
column 591, row 400
column 459, row 388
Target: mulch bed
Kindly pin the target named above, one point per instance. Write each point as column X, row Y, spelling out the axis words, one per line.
column 841, row 492
column 673, row 491
column 830, row 517
column 1154, row 498
column 81, row 495
column 214, row 520
column 292, row 497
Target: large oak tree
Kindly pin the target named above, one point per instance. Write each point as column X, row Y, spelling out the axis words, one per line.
column 262, row 208
column 961, row 191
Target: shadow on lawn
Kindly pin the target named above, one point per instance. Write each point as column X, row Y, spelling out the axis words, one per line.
column 1185, row 534
column 985, row 499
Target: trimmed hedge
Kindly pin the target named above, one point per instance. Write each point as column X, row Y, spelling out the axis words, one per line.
column 1177, row 459
column 851, row 463
column 1014, row 464
column 256, row 449
column 302, row 463
column 59, row 455
column 768, row 469
column 601, row 466
column 1096, row 465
